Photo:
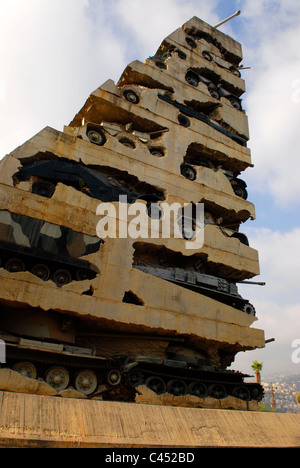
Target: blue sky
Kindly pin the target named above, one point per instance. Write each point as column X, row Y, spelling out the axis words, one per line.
column 53, row 54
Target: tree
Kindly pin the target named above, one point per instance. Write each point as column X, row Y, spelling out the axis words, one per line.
column 257, row 367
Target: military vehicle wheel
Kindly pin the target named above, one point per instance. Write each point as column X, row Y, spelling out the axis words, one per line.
column 236, row 104
column 156, row 384
column 188, row 172
column 177, row 387
column 82, row 275
column 249, row 309
column 240, row 191
column 214, row 93
column 135, row 378
column 157, row 152
column 96, row 136
column 27, row 369
column 114, row 377
column 160, row 64
column 62, row 277
column 207, row 56
column 58, row 378
column 242, row 393
column 131, row 96
column 188, row 230
column 242, row 238
column 41, row 271
column 15, row 265
column 128, row 143
column 198, row 389
column 192, row 80
column 184, row 121
column 86, row 382
column 154, row 211
column 217, row 391
column 43, row 188
column 235, row 71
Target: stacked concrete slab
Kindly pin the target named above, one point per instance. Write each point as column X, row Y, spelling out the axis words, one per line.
column 107, row 316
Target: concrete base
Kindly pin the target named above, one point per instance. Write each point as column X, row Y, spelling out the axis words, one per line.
column 42, row 421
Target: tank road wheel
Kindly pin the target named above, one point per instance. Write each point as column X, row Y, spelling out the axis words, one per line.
column 214, row 93
column 257, row 393
column 242, row 393
column 156, row 384
column 235, row 71
column 27, row 369
column 192, row 80
column 135, row 378
column 177, row 387
column 114, row 377
column 41, row 271
column 236, row 104
column 188, row 172
column 207, row 56
column 15, row 265
column 96, row 136
column 43, row 188
column 62, row 277
column 217, row 391
column 131, row 96
column 198, row 389
column 86, row 382
column 82, row 275
column 58, row 378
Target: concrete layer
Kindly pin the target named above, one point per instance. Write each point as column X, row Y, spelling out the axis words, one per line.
column 41, row 421
column 163, row 173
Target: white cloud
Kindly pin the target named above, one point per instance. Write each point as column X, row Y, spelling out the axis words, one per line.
column 271, row 47
column 278, row 303
column 280, row 262
column 150, row 22
column 51, row 60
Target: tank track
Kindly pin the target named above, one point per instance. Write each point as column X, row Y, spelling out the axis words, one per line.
column 179, row 380
column 119, row 378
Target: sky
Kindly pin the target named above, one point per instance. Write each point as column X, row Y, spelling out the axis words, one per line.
column 54, row 53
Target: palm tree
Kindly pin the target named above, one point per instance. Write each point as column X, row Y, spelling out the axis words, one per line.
column 257, row 367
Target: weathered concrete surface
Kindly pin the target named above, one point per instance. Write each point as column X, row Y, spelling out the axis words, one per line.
column 41, row 421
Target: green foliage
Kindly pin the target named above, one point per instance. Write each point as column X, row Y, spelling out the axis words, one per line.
column 263, row 408
column 257, row 365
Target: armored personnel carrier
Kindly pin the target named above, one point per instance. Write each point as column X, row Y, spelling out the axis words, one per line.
column 109, row 313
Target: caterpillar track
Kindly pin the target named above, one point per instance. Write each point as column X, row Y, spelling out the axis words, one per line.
column 62, row 366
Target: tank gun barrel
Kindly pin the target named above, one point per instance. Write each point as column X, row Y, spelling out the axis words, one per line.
column 271, row 340
column 253, row 283
column 228, row 19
